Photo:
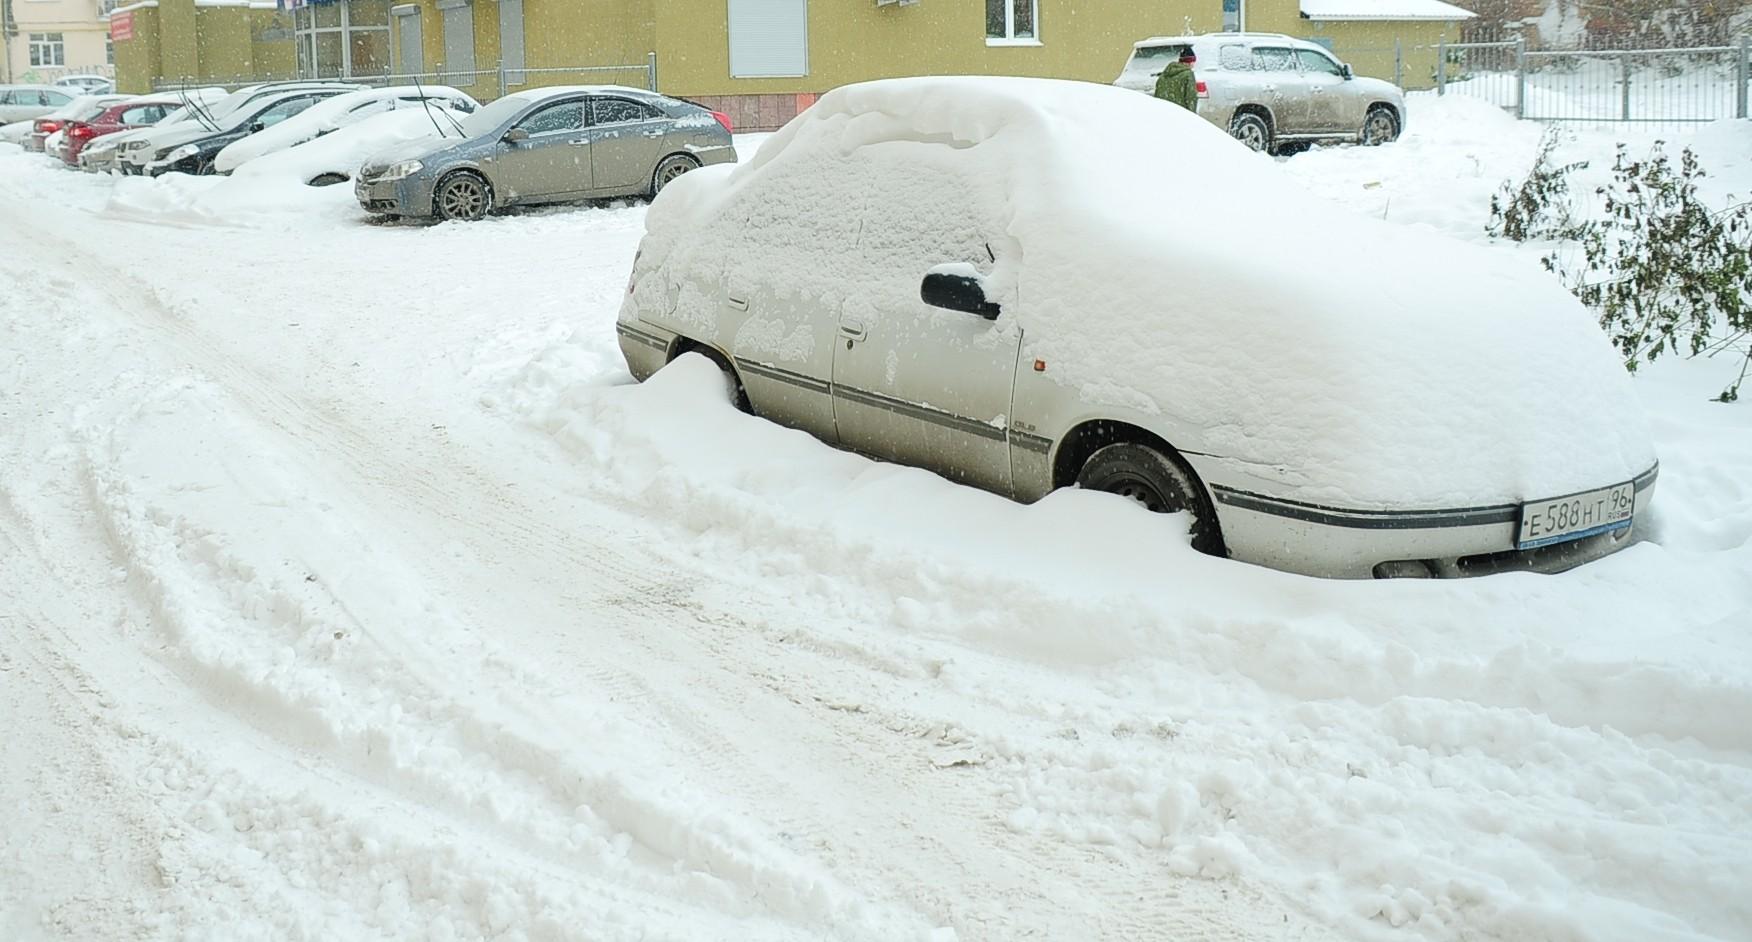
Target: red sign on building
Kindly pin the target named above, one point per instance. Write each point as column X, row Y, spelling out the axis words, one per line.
column 122, row 26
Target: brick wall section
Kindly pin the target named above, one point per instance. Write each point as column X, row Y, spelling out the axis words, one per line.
column 758, row 112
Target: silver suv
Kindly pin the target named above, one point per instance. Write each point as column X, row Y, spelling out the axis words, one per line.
column 1273, row 91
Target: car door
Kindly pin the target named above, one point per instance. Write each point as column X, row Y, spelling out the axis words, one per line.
column 626, row 140
column 1325, row 84
column 917, row 384
column 1275, row 69
column 553, row 163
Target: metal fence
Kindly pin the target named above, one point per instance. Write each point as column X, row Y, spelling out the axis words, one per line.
column 484, row 84
column 1658, row 86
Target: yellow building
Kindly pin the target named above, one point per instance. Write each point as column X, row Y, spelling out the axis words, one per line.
column 760, row 61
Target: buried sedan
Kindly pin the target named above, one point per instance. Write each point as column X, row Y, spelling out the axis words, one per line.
column 989, row 278
column 549, row 145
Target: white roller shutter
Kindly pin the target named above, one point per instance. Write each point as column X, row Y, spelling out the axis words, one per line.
column 769, row 38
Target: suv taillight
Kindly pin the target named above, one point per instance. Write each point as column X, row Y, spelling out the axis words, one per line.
column 1204, row 91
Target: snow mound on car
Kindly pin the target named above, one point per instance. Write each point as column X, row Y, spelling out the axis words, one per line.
column 1159, row 267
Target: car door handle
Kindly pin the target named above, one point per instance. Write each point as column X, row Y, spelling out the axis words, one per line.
column 853, row 329
column 580, row 143
column 739, row 304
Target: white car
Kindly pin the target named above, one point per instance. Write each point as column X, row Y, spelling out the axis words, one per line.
column 87, row 84
column 1271, row 91
column 995, row 279
column 215, row 118
column 337, row 157
column 24, row 102
column 339, row 112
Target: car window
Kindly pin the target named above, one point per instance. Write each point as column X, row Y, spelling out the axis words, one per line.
column 1315, row 62
column 142, row 115
column 565, row 116
column 1163, row 54
column 1272, row 59
column 617, row 111
column 56, row 98
column 1235, row 57
column 283, row 110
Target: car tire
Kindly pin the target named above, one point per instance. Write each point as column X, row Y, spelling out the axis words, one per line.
column 1160, row 483
column 328, row 179
column 1252, row 131
column 669, row 168
column 1380, row 126
column 462, row 197
column 733, row 390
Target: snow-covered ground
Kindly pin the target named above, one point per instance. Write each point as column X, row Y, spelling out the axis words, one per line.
column 350, row 590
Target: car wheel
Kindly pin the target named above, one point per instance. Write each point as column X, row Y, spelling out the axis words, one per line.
column 732, row 383
column 1251, row 130
column 1158, row 482
column 672, row 166
column 463, row 197
column 1380, row 127
column 328, row 179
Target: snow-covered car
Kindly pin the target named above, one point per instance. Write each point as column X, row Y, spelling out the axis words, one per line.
column 87, row 84
column 336, row 158
column 101, row 155
column 80, row 133
column 339, row 112
column 216, row 118
column 992, row 278
column 549, row 145
column 191, row 147
column 1269, row 90
column 83, row 108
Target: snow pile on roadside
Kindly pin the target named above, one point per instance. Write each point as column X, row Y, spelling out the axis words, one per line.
column 264, row 201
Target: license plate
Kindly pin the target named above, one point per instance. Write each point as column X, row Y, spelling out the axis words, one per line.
column 1557, row 519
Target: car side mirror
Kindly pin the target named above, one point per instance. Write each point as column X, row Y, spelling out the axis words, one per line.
column 1345, row 69
column 955, row 288
column 516, row 136
column 257, row 128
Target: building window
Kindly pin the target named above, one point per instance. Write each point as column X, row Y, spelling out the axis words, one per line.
column 346, row 39
column 458, row 67
column 109, row 51
column 769, row 38
column 1011, row 21
column 47, row 49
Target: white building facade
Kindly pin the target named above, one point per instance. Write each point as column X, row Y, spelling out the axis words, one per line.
column 46, row 39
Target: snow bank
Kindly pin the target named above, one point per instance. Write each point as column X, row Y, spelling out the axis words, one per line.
column 1353, row 362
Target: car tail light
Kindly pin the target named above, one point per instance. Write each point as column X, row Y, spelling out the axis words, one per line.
column 81, row 132
column 632, row 275
column 724, row 119
column 47, row 127
column 1204, row 91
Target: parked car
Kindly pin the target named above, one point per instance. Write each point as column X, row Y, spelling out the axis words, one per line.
column 87, row 84
column 139, row 152
column 339, row 112
column 102, row 155
column 335, row 158
column 1271, row 91
column 547, row 145
column 85, row 106
column 993, row 279
column 191, row 147
column 78, row 133
column 24, row 102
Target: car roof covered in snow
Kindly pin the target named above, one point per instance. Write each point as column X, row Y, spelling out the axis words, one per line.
column 1383, row 10
column 1288, row 335
column 558, row 91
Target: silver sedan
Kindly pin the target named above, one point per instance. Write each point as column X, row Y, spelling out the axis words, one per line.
column 548, row 145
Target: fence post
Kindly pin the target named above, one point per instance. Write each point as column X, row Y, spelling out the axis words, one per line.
column 1398, row 64
column 651, row 70
column 1520, row 77
column 1442, row 67
column 1740, row 77
column 503, row 88
column 1624, row 71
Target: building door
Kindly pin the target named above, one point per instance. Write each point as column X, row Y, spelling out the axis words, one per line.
column 410, row 50
column 459, row 43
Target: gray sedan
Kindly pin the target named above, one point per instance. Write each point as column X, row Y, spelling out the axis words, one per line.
column 547, row 145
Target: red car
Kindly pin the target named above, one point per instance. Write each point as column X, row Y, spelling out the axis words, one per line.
column 122, row 116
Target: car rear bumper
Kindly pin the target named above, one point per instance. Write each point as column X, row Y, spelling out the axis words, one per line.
column 1352, row 544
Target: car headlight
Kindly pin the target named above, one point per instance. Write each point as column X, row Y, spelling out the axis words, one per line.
column 403, row 170
column 138, row 145
column 172, row 155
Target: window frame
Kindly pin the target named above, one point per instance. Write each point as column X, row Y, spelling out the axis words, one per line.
column 1010, row 38
column 648, row 113
column 47, row 46
column 1336, row 69
column 582, row 104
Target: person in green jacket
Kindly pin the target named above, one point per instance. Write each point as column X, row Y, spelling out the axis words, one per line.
column 1177, row 83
